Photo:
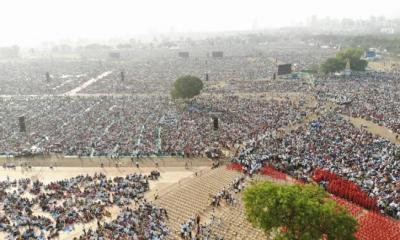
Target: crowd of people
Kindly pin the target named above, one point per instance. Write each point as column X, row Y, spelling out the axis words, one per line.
column 42, row 76
column 152, row 69
column 145, row 222
column 112, row 117
column 129, row 113
column 334, row 144
column 373, row 96
column 228, row 194
column 81, row 199
column 136, row 126
column 193, row 228
column 200, row 229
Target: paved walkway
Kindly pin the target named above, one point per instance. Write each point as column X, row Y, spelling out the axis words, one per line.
column 87, row 83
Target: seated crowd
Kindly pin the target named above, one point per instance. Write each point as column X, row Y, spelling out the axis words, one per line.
column 334, row 144
column 373, row 96
column 145, row 222
column 29, row 77
column 81, row 199
column 134, row 125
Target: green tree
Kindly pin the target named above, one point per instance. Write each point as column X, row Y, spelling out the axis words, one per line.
column 338, row 63
column 332, row 65
column 186, row 87
column 350, row 53
column 304, row 211
column 354, row 56
column 315, row 68
column 358, row 65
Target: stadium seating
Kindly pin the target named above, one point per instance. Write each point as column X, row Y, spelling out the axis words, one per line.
column 352, row 208
column 232, row 224
column 193, row 197
column 272, row 172
column 345, row 189
column 376, row 226
column 234, row 166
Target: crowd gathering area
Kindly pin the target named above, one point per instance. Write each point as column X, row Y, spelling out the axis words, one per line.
column 81, row 199
column 296, row 131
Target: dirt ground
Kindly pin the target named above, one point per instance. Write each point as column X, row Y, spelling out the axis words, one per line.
column 46, row 175
column 375, row 129
column 73, row 161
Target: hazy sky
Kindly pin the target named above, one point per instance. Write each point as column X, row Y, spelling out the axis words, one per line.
column 31, row 21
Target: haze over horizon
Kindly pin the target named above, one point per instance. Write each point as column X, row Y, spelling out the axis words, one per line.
column 27, row 23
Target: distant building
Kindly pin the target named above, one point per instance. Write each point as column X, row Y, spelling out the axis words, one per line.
column 387, row 30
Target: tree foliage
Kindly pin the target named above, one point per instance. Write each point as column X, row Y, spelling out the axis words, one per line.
column 333, row 65
column 354, row 56
column 186, row 87
column 337, row 64
column 303, row 210
column 351, row 54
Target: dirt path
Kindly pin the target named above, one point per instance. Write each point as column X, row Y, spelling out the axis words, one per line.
column 87, row 83
column 57, row 160
column 375, row 129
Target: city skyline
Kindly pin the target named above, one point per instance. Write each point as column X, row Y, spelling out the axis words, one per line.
column 29, row 23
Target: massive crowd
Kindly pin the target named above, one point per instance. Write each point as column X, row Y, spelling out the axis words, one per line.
column 28, row 77
column 120, row 124
column 153, row 70
column 333, row 143
column 374, row 96
column 36, row 210
column 136, row 125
